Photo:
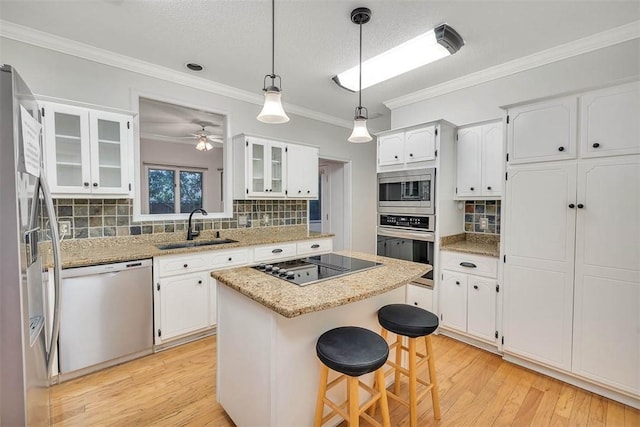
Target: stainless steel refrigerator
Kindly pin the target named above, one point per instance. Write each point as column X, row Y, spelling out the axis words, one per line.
column 26, row 355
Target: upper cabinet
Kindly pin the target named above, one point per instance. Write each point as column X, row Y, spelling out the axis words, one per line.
column 479, row 161
column 400, row 149
column 544, row 131
column 266, row 169
column 88, row 152
column 609, row 122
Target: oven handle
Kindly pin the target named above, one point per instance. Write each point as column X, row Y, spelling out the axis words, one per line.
column 420, row 235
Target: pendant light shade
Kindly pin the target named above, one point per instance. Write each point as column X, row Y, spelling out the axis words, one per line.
column 360, row 134
column 272, row 111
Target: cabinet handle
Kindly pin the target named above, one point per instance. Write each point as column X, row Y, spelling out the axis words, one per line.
column 86, row 184
column 410, row 154
column 596, row 145
column 199, row 282
column 468, row 264
column 471, row 188
column 308, row 191
column 299, row 191
column 415, row 303
column 395, row 157
column 475, row 286
column 560, row 148
column 489, row 188
column 276, row 251
column 315, row 246
column 580, row 206
column 571, row 205
column 230, row 259
column 95, row 184
column 457, row 283
column 186, row 265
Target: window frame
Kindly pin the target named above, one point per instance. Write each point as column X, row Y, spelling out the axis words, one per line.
column 176, row 182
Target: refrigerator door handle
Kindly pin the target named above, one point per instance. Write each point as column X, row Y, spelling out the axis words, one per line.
column 57, row 268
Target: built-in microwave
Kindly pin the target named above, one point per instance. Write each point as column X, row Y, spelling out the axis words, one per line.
column 409, row 192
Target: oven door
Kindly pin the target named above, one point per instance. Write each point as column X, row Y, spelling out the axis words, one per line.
column 409, row 246
column 406, row 190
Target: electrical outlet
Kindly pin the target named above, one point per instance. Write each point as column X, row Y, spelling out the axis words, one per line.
column 64, row 227
column 242, row 220
column 265, row 219
column 484, row 223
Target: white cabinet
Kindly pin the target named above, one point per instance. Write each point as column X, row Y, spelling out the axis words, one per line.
column 266, row 169
column 408, row 148
column 544, row 131
column 479, row 161
column 88, row 152
column 420, row 296
column 302, row 172
column 609, row 122
column 184, row 304
column 468, row 301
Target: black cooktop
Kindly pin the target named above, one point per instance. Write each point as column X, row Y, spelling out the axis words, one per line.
column 313, row 269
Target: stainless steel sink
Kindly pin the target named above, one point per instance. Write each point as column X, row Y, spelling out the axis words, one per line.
column 194, row 243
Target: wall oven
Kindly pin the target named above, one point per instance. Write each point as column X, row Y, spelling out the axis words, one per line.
column 411, row 191
column 407, row 237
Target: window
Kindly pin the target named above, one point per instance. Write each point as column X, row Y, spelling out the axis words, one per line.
column 173, row 189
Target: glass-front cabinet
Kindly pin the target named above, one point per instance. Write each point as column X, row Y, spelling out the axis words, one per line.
column 265, row 168
column 87, row 151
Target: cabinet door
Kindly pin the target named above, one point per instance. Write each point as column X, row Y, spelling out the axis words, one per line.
column 468, row 148
column 420, row 296
column 609, row 122
column 302, row 172
column 110, row 152
column 68, row 159
column 542, row 132
column 492, row 160
column 538, row 273
column 606, row 341
column 184, row 304
column 481, row 308
column 277, row 171
column 257, row 169
column 453, row 301
column 420, row 145
column 390, row 149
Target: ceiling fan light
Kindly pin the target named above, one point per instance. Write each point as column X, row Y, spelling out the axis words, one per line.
column 272, row 111
column 203, row 145
column 360, row 133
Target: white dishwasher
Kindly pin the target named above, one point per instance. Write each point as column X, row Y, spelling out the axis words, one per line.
column 106, row 316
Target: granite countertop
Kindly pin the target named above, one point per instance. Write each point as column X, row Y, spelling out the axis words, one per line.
column 86, row 252
column 472, row 243
column 291, row 300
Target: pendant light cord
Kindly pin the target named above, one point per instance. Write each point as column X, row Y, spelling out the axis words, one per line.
column 360, row 70
column 273, row 42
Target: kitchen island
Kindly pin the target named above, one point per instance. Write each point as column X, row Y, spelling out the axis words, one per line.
column 267, row 369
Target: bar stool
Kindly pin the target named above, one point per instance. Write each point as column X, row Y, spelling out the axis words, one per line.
column 352, row 351
column 412, row 322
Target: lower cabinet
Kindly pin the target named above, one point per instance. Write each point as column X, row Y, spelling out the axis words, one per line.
column 184, row 304
column 468, row 301
column 420, row 296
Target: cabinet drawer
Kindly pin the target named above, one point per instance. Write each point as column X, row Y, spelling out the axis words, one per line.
column 230, row 258
column 420, row 296
column 171, row 265
column 273, row 252
column 314, row 246
column 469, row 263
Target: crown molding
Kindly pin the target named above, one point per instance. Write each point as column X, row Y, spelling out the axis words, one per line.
column 558, row 53
column 49, row 41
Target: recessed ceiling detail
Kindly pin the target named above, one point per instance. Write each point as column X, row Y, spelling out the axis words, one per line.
column 192, row 66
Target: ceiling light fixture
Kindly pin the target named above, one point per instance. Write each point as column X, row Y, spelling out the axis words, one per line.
column 272, row 111
column 426, row 48
column 192, row 66
column 360, row 16
column 203, row 144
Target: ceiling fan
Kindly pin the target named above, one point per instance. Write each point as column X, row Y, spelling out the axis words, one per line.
column 206, row 140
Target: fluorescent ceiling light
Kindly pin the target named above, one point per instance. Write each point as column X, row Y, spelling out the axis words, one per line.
column 429, row 47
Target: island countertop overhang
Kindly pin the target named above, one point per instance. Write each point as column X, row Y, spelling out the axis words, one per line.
column 290, row 300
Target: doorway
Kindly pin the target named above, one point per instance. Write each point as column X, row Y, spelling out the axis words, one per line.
column 331, row 213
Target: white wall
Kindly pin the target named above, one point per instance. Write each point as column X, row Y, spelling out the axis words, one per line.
column 479, row 103
column 59, row 75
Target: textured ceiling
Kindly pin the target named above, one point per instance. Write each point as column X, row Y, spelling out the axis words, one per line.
column 315, row 38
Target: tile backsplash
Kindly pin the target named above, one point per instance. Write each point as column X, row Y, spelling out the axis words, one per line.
column 476, row 210
column 92, row 218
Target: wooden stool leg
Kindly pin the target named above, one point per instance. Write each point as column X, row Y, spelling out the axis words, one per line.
column 372, row 411
column 322, row 390
column 354, row 401
column 384, row 403
column 413, row 384
column 435, row 397
column 396, row 379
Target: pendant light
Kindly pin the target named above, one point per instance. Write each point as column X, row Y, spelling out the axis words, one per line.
column 272, row 111
column 360, row 16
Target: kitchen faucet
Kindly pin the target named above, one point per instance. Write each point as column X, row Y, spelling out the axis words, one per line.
column 192, row 234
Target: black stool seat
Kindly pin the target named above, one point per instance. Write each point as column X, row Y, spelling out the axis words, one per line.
column 352, row 351
column 407, row 320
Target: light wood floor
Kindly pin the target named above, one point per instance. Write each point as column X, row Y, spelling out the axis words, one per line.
column 177, row 388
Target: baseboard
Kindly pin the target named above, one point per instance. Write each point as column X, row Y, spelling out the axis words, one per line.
column 185, row 339
column 492, row 348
